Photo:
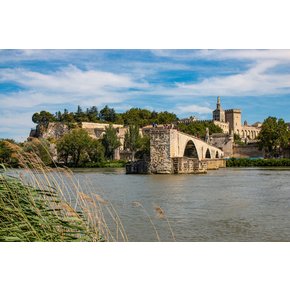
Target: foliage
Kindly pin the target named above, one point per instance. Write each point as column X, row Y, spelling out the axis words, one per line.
column 110, row 141
column 108, row 114
column 143, row 117
column 43, row 118
column 77, row 147
column 246, row 162
column 144, row 149
column 137, row 116
column 198, row 128
column 274, row 136
column 238, row 139
column 7, row 152
column 41, row 148
column 106, row 164
column 132, row 140
column 29, row 214
column 95, row 151
column 134, row 116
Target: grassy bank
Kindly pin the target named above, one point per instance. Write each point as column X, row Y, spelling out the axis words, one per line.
column 246, row 162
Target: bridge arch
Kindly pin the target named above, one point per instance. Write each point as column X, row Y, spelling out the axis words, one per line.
column 190, row 150
column 207, row 154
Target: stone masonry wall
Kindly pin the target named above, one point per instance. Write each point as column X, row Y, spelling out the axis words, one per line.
column 160, row 160
column 247, row 151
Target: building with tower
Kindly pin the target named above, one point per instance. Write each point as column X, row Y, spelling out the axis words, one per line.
column 230, row 121
column 219, row 113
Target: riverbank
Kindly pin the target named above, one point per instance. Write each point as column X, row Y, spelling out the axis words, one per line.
column 247, row 162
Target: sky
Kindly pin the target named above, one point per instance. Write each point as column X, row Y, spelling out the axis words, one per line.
column 186, row 82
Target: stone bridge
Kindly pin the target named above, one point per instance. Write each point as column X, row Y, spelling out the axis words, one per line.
column 172, row 151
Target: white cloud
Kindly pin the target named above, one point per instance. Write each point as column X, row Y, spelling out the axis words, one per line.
column 220, row 54
column 69, row 85
column 254, row 82
column 15, row 124
column 69, row 80
column 194, row 109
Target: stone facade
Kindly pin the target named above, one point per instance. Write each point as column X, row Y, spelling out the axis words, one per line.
column 223, row 125
column 223, row 141
column 160, row 157
column 185, row 165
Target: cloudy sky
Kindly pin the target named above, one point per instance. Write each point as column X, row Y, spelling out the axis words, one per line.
column 186, row 82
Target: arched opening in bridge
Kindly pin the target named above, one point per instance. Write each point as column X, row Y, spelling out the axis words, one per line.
column 217, row 154
column 190, row 150
column 207, row 154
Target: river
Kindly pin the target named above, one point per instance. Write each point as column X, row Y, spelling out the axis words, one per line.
column 231, row 204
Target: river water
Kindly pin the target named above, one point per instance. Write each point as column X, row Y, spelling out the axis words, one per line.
column 223, row 205
column 230, row 204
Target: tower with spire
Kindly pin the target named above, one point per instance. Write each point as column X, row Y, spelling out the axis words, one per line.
column 219, row 113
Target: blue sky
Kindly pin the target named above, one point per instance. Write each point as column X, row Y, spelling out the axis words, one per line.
column 186, row 82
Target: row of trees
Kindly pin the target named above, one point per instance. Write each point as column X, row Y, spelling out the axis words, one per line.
column 134, row 116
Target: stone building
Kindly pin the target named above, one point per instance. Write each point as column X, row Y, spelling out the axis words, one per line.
column 230, row 121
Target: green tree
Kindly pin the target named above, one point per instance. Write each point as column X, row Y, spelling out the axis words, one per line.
column 274, row 136
column 81, row 116
column 137, row 116
column 144, row 149
column 93, row 114
column 110, row 141
column 133, row 140
column 73, row 146
column 166, row 118
column 108, row 114
column 96, row 151
column 43, row 118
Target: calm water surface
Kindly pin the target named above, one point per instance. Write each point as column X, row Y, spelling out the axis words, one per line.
column 223, row 205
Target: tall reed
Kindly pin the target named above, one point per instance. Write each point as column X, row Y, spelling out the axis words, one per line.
column 44, row 204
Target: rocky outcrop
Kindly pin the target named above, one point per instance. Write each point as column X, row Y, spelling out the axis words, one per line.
column 52, row 131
